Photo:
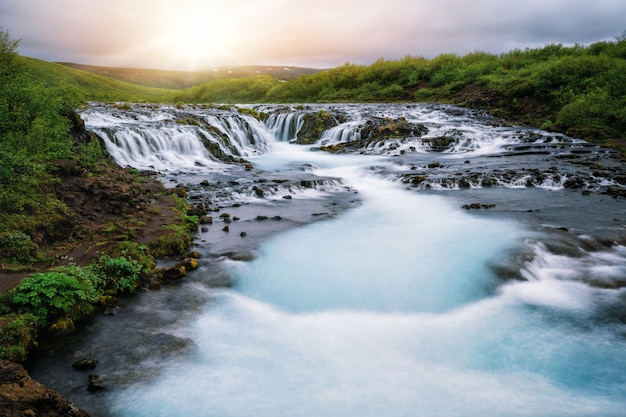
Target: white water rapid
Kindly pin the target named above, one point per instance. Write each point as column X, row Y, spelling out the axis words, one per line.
column 390, row 309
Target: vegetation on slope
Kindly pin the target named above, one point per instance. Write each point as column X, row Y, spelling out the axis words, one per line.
column 179, row 80
column 80, row 86
column 58, row 194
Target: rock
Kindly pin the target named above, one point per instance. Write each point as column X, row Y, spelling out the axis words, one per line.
column 107, row 301
column 62, row 326
column 478, row 206
column 205, row 220
column 226, row 229
column 259, row 192
column 180, row 191
column 173, row 273
column 243, row 234
column 85, row 364
column 191, row 264
column 261, row 218
column 95, row 384
column 616, row 191
column 111, row 311
column 287, row 197
column 20, row 395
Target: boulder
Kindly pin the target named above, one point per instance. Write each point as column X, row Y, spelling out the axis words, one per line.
column 173, row 273
column 20, row 396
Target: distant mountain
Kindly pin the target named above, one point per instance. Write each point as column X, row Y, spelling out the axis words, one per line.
column 180, row 80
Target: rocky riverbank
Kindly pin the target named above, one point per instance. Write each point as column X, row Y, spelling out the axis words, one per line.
column 22, row 396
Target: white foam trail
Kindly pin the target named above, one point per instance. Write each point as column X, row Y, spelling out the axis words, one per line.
column 258, row 361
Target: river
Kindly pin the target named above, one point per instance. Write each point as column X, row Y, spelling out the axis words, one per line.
column 439, row 262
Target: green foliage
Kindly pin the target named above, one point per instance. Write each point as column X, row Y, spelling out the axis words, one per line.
column 18, row 334
column 233, row 90
column 121, row 274
column 52, row 295
column 174, row 243
column 17, row 247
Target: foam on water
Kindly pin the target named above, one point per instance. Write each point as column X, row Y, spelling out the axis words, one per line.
column 390, row 310
column 397, row 252
column 496, row 357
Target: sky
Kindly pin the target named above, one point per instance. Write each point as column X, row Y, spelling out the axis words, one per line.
column 204, row 34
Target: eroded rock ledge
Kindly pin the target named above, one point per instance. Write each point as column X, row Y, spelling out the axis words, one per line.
column 22, row 396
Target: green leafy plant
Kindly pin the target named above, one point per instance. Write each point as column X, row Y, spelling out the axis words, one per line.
column 120, row 274
column 51, row 295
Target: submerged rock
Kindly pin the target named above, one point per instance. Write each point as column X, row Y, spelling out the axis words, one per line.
column 85, row 364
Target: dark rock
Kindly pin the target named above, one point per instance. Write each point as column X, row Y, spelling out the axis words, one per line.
column 85, row 364
column 615, row 191
column 95, row 384
column 20, row 396
column 205, row 220
column 261, row 218
column 243, row 234
column 259, row 192
column 478, row 206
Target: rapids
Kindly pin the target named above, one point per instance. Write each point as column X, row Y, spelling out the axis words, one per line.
column 363, row 287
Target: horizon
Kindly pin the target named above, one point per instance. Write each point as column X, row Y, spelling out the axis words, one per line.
column 195, row 35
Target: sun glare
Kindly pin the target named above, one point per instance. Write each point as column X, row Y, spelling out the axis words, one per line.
column 197, row 38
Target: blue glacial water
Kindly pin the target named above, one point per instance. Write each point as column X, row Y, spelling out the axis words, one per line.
column 392, row 309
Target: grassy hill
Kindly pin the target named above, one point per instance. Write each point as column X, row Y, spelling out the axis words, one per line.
column 86, row 86
column 180, row 80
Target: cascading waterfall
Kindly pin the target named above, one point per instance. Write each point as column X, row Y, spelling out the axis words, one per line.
column 403, row 305
column 185, row 139
column 284, row 126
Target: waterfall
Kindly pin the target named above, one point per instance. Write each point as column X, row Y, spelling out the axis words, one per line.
column 172, row 139
column 285, row 126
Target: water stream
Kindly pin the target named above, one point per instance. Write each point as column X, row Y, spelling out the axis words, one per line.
column 375, row 293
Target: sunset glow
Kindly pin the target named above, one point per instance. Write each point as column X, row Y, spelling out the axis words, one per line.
column 195, row 34
column 195, row 37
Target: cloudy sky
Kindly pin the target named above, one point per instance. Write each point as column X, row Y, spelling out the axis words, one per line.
column 202, row 34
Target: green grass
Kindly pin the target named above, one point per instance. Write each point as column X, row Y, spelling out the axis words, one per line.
column 85, row 86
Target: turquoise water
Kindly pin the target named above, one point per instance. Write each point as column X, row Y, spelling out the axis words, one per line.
column 391, row 309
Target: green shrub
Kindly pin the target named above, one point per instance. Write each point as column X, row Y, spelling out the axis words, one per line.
column 17, row 247
column 52, row 295
column 18, row 334
column 121, row 274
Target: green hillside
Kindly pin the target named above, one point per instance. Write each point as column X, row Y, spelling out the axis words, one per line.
column 184, row 79
column 85, row 86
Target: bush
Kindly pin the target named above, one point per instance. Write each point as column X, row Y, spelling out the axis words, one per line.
column 119, row 274
column 18, row 333
column 52, row 295
column 17, row 247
